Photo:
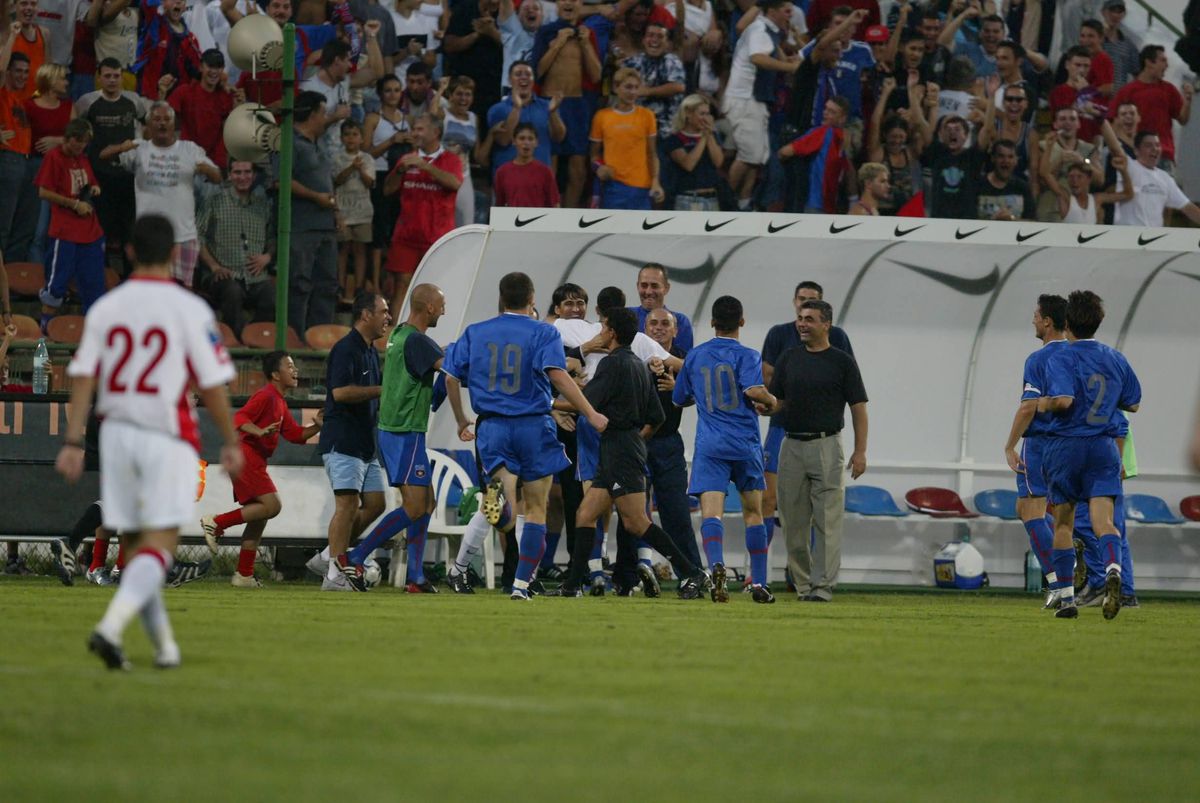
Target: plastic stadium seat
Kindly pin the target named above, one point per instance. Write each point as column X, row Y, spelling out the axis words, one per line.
column 65, row 328
column 1149, row 509
column 871, row 500
column 25, row 278
column 262, row 336
column 998, row 502
column 324, row 336
column 940, row 503
column 1189, row 506
column 228, row 336
column 27, row 328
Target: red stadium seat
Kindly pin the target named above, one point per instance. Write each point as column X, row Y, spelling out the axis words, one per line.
column 1189, row 506
column 323, row 336
column 25, row 278
column 65, row 328
column 27, row 328
column 262, row 336
column 940, row 503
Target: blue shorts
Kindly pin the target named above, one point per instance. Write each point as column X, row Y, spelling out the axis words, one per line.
column 615, row 195
column 771, row 447
column 1033, row 482
column 526, row 445
column 576, row 114
column 348, row 473
column 1077, row 469
column 404, row 457
column 712, row 473
column 587, row 450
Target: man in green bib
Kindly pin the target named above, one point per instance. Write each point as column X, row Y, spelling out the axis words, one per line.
column 411, row 364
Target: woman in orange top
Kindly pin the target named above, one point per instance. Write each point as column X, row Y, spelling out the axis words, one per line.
column 32, row 40
column 625, row 148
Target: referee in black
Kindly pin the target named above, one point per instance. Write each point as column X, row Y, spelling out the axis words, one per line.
column 814, row 383
column 624, row 390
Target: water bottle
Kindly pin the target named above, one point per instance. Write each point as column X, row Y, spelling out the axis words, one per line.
column 41, row 377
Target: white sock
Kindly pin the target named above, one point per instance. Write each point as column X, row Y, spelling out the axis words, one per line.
column 333, row 571
column 477, row 530
column 645, row 553
column 1112, row 567
column 517, row 528
column 325, row 553
column 158, row 626
column 1052, row 577
column 142, row 579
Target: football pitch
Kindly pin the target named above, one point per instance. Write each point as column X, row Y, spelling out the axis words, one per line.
column 289, row 694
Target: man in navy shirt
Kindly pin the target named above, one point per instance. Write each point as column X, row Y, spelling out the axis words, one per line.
column 653, row 286
column 780, row 338
column 1087, row 383
column 509, row 364
column 347, row 445
column 522, row 106
column 723, row 378
column 843, row 61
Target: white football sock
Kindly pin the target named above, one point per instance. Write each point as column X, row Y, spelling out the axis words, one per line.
column 477, row 530
column 142, row 579
column 158, row 626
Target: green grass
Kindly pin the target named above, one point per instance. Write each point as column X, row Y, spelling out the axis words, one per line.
column 288, row 694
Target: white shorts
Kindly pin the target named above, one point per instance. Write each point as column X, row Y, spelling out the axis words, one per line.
column 147, row 479
column 748, row 121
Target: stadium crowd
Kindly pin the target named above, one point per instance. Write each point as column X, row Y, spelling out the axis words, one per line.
column 413, row 117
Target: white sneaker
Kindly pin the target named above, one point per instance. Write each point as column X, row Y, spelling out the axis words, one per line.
column 241, row 581
column 211, row 532
column 168, row 656
column 318, row 565
column 338, row 583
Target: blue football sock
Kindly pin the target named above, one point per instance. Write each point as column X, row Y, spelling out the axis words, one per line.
column 551, row 547
column 1064, row 567
column 769, row 524
column 756, row 545
column 533, row 541
column 388, row 527
column 1110, row 551
column 1126, row 556
column 416, row 549
column 1041, row 540
column 1091, row 557
column 712, row 534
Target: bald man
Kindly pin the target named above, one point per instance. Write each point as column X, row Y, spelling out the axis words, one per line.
column 413, row 360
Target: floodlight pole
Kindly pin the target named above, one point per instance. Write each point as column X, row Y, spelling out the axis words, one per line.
column 283, row 243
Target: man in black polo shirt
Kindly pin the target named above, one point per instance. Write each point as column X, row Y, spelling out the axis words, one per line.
column 813, row 383
column 624, row 390
column 667, row 465
column 353, row 381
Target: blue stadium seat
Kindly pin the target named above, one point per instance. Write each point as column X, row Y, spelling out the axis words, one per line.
column 998, row 502
column 1149, row 509
column 870, row 500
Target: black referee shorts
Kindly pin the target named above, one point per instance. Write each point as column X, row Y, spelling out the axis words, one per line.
column 622, row 465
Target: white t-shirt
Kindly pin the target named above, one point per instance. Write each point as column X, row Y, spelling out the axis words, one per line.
column 118, row 39
column 696, row 19
column 163, row 182
column 335, row 95
column 754, row 39
column 1153, row 191
column 422, row 22
column 575, row 332
column 517, row 43
column 58, row 17
column 145, row 342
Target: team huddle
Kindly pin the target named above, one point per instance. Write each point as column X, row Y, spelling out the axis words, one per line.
column 609, row 390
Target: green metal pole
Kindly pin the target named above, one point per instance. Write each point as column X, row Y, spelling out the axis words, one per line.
column 283, row 246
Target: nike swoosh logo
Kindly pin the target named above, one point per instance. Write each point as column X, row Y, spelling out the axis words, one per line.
column 836, row 229
column 1143, row 240
column 772, row 228
column 521, row 223
column 958, row 234
column 1083, row 239
column 971, row 287
column 647, row 225
column 699, row 274
column 1021, row 237
column 905, row 232
column 583, row 224
column 710, row 227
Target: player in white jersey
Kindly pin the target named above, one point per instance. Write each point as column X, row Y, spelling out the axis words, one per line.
column 144, row 345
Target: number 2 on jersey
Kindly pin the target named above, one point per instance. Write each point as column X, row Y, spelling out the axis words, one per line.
column 1098, row 383
column 154, row 338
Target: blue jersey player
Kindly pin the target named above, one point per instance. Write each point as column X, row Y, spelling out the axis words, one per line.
column 509, row 364
column 1087, row 383
column 723, row 378
column 1030, row 426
